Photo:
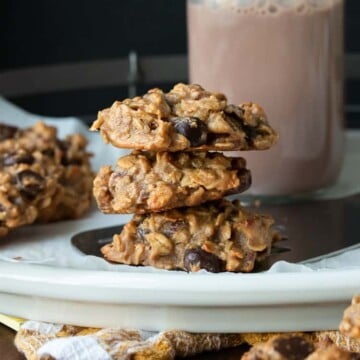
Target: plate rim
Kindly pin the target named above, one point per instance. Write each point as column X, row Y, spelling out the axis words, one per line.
column 179, row 288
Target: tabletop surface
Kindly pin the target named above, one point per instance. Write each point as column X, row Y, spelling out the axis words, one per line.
column 7, row 348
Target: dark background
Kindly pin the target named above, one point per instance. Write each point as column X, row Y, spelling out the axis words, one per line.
column 43, row 32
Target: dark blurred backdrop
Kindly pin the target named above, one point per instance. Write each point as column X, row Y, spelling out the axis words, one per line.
column 72, row 57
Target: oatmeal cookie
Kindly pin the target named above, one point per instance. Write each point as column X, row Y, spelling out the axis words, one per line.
column 350, row 324
column 297, row 347
column 42, row 178
column 217, row 236
column 151, row 182
column 281, row 347
column 186, row 118
column 332, row 352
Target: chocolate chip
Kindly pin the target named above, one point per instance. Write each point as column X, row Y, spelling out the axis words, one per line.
column 153, row 125
column 234, row 110
column 170, row 227
column 7, row 131
column 244, row 176
column 68, row 161
column 212, row 155
column 63, row 145
column 192, row 128
column 293, row 348
column 251, row 133
column 238, row 163
column 16, row 158
column 236, row 118
column 30, row 183
column 245, row 180
column 48, row 152
column 201, row 259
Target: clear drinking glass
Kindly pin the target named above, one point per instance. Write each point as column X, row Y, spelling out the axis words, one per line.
column 286, row 55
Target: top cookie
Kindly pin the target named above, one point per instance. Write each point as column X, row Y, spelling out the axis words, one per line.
column 186, row 118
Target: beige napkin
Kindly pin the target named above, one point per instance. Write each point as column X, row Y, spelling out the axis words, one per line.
column 44, row 341
column 39, row 340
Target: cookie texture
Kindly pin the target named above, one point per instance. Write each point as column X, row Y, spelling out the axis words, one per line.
column 145, row 182
column 218, row 236
column 282, row 347
column 332, row 352
column 42, row 178
column 186, row 118
column 350, row 324
column 298, row 347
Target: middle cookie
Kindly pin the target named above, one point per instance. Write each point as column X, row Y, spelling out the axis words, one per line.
column 145, row 182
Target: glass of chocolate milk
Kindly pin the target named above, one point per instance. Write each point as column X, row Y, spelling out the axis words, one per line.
column 286, row 55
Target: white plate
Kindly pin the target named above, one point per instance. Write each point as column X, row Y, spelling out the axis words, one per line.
column 194, row 302
column 76, row 289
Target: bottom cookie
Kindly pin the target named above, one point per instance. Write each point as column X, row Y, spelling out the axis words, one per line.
column 218, row 236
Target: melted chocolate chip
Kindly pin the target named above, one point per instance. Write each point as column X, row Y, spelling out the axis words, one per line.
column 199, row 258
column 48, row 152
column 153, row 125
column 63, row 145
column 236, row 114
column 250, row 133
column 213, row 138
column 170, row 227
column 7, row 131
column 293, row 348
column 235, row 117
column 192, row 128
column 30, row 183
column 234, row 110
column 238, row 163
column 14, row 158
column 244, row 176
column 67, row 161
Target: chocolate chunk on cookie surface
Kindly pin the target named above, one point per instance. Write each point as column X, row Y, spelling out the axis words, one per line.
column 298, row 346
column 217, row 236
column 151, row 182
column 186, row 118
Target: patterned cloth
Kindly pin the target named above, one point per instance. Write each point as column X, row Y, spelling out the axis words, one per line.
column 44, row 341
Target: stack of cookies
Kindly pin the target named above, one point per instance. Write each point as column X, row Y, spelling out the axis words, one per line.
column 175, row 181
